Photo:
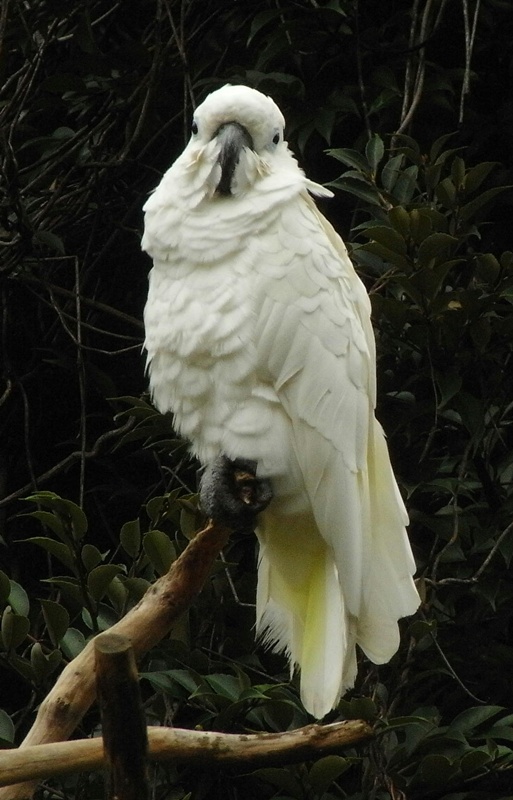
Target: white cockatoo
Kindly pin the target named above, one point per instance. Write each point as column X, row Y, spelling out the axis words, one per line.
column 259, row 341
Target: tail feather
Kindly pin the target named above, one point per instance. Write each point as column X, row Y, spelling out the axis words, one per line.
column 300, row 609
column 303, row 580
column 389, row 591
column 328, row 657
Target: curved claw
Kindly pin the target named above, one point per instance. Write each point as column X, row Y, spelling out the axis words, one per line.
column 231, row 493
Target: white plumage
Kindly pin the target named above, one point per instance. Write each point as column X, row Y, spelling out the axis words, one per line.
column 259, row 341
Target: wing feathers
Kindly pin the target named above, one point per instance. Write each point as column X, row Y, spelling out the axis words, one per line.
column 316, row 347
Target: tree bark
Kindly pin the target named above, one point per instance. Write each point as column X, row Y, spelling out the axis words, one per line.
column 145, row 625
column 125, row 741
column 190, row 746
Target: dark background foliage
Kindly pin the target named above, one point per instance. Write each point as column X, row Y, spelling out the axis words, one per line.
column 405, row 107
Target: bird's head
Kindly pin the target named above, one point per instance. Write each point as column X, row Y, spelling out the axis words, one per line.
column 238, row 131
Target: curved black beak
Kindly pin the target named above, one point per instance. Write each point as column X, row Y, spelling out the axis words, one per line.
column 233, row 138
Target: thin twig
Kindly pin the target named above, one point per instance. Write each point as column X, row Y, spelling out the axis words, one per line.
column 95, row 304
column 470, row 35
column 477, row 575
column 359, row 66
column 81, row 385
column 408, row 80
column 451, row 668
column 456, row 515
column 68, row 461
column 414, row 83
column 232, row 585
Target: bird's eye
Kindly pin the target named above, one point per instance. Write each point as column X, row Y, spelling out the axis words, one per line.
column 276, row 138
column 194, row 128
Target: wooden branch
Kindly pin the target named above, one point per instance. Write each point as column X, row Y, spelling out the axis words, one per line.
column 125, row 741
column 190, row 746
column 145, row 625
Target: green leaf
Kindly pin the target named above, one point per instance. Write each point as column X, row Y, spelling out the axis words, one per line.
column 507, row 294
column 130, row 537
column 420, row 628
column 105, row 617
column 56, row 619
column 352, row 158
column 458, row 172
column 472, row 718
column 476, row 175
column 281, row 778
column 436, row 770
column 432, row 173
column 261, row 20
column 389, row 256
column 357, row 189
column 449, row 384
column 254, row 693
column 188, row 523
column 473, row 762
column 136, row 588
column 488, row 267
column 406, row 184
column 438, row 145
column 63, row 133
column 325, row 771
column 158, row 507
column 434, row 246
column 18, row 599
column 481, row 332
column 43, row 498
column 43, row 663
column 78, row 519
column 410, row 147
column 385, row 99
column 50, row 240
column 169, row 680
column 226, row 685
column 58, row 549
column 69, row 586
column 374, row 151
column 91, row 557
column 420, row 226
column 446, row 193
column 160, row 550
column 6, row 727
column 391, row 172
column 506, row 261
column 21, row 665
column 355, row 175
column 389, row 238
column 324, row 121
column 501, row 730
column 72, row 643
column 400, row 221
column 49, row 519
column 118, row 594
column 71, row 515
column 14, row 629
column 404, row 722
column 469, row 210
column 362, row 708
column 5, row 587
column 446, row 155
column 99, row 579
